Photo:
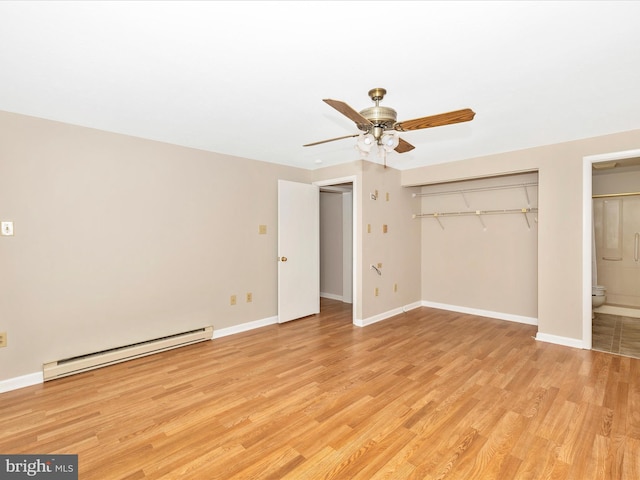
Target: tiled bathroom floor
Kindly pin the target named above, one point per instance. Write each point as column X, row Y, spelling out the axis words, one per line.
column 616, row 334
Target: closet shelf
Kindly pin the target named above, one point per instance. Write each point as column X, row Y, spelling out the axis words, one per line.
column 463, row 191
column 479, row 189
column 479, row 214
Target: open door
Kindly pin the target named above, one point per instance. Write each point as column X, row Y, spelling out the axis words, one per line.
column 298, row 250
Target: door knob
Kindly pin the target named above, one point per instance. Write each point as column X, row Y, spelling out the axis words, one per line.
column 283, row 259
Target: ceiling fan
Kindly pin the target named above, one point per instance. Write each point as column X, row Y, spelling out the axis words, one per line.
column 376, row 123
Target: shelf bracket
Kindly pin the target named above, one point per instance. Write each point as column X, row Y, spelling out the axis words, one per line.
column 435, row 215
column 526, row 194
column 478, row 214
column 526, row 219
column 466, row 202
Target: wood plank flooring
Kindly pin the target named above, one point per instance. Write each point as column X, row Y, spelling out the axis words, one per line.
column 428, row 394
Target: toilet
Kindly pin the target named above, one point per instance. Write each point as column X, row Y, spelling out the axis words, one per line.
column 598, row 295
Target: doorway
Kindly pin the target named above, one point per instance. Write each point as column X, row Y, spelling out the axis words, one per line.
column 594, row 167
column 616, row 256
column 338, row 240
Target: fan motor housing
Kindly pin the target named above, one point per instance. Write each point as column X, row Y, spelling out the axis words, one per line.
column 379, row 116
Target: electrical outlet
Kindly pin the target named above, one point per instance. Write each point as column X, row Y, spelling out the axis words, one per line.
column 368, row 228
column 384, row 229
column 249, row 297
column 232, row 300
column 379, row 265
column 387, row 196
column 262, row 229
column 3, row 339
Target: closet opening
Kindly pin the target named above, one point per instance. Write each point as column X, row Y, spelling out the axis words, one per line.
column 480, row 246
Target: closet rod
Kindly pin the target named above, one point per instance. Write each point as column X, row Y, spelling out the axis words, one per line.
column 605, row 195
column 479, row 189
column 477, row 212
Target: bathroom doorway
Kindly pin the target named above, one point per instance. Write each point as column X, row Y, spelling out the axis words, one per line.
column 615, row 253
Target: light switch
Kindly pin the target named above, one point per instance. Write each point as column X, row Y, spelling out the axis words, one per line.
column 262, row 229
column 7, row 228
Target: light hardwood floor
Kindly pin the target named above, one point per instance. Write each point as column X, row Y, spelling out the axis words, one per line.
column 428, row 394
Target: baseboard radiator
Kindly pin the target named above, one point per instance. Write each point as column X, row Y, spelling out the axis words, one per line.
column 82, row 363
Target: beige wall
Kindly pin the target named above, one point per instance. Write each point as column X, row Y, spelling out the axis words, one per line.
column 398, row 250
column 119, row 239
column 560, row 190
column 614, row 181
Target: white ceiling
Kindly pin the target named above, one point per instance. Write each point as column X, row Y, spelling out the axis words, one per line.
column 248, row 78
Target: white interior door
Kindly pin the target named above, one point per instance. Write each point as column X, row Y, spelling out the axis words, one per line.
column 298, row 250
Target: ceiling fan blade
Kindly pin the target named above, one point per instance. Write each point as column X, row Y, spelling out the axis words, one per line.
column 347, row 111
column 330, row 140
column 403, row 146
column 448, row 118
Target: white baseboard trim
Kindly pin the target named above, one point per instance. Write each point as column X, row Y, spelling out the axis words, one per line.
column 38, row 377
column 244, row 327
column 385, row 315
column 543, row 337
column 331, row 296
column 482, row 313
column 564, row 341
column 21, row 382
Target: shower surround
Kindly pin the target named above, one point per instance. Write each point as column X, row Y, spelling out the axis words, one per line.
column 617, row 239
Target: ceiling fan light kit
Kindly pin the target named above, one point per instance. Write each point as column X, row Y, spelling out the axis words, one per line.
column 379, row 124
column 365, row 143
column 390, row 141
